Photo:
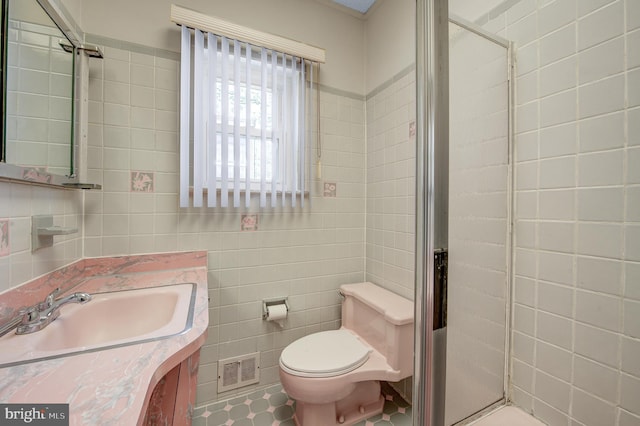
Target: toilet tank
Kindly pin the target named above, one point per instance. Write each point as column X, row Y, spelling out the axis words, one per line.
column 383, row 319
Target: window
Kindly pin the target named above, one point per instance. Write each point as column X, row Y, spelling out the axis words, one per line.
column 249, row 114
column 242, row 123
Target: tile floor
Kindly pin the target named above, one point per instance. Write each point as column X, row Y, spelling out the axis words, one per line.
column 272, row 407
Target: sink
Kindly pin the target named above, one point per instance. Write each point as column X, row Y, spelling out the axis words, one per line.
column 109, row 320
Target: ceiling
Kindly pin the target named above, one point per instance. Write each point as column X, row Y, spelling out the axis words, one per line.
column 361, row 6
column 360, row 9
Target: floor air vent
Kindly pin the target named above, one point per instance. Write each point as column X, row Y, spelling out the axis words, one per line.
column 238, row 371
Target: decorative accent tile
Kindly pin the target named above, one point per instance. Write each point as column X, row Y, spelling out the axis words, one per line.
column 249, row 222
column 4, row 237
column 330, row 189
column 36, row 175
column 142, row 181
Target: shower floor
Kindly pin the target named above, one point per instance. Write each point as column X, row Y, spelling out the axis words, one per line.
column 273, row 407
column 507, row 416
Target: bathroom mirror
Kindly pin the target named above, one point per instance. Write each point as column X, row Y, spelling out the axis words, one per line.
column 37, row 143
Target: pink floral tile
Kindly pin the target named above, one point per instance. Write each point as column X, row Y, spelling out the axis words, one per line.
column 142, row 181
column 4, row 237
column 36, row 175
column 249, row 222
column 330, row 189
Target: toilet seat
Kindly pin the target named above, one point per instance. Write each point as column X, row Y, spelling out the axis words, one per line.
column 324, row 354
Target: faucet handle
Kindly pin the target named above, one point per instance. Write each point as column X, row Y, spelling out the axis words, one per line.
column 48, row 301
column 29, row 314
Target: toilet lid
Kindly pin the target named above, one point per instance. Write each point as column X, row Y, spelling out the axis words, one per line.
column 324, row 354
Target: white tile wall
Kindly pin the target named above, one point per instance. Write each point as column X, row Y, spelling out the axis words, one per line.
column 38, row 87
column 304, row 255
column 391, row 185
column 390, row 189
column 18, row 203
column 576, row 258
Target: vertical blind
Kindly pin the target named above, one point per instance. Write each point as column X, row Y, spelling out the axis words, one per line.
column 242, row 123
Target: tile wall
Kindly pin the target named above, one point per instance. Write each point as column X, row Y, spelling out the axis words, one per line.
column 391, row 155
column 19, row 202
column 390, row 236
column 576, row 340
column 38, row 98
column 303, row 254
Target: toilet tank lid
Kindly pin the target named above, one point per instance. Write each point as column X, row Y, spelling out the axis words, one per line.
column 396, row 309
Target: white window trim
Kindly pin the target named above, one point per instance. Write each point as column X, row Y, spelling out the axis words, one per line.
column 212, row 24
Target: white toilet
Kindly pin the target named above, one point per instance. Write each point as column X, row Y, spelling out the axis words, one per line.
column 334, row 376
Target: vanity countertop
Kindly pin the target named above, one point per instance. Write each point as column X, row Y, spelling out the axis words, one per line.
column 111, row 386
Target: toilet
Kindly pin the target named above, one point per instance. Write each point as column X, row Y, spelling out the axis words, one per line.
column 334, row 376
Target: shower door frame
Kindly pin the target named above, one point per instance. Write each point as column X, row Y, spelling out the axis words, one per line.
column 429, row 44
column 432, row 69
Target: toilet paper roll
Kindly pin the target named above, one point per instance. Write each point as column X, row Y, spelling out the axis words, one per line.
column 277, row 313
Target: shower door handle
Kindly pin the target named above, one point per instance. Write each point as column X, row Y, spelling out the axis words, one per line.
column 440, row 278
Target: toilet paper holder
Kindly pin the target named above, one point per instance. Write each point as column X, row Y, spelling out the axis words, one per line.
column 271, row 302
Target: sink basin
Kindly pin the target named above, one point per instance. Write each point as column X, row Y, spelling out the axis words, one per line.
column 109, row 320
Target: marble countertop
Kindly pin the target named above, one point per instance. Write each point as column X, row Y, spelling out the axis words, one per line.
column 112, row 386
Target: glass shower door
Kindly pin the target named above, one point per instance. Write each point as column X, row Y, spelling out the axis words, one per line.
column 463, row 216
column 479, row 217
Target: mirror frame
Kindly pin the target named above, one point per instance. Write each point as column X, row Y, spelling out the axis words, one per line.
column 13, row 172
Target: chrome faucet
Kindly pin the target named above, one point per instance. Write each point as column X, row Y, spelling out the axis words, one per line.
column 37, row 317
